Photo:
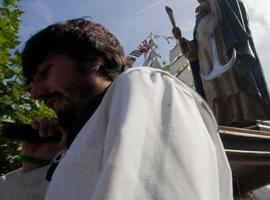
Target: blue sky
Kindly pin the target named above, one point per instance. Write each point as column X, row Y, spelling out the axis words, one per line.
column 132, row 20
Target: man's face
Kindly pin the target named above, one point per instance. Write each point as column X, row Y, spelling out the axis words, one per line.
column 61, row 86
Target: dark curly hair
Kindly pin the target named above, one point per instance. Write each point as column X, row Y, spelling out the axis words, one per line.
column 83, row 40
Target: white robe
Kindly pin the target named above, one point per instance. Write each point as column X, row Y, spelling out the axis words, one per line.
column 151, row 138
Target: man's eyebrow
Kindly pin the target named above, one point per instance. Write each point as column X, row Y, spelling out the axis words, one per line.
column 42, row 67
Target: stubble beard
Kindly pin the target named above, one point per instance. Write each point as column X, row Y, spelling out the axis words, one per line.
column 80, row 91
column 66, row 117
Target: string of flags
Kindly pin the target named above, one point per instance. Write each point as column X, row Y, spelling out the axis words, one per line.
column 146, row 45
column 140, row 49
column 178, row 64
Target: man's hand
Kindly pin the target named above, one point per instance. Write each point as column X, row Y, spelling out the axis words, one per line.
column 45, row 151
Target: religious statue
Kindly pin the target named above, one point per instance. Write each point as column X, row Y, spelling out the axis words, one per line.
column 225, row 66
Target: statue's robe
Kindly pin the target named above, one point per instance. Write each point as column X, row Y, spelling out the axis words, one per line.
column 239, row 95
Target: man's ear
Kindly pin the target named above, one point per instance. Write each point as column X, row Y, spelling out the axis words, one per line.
column 94, row 64
column 98, row 64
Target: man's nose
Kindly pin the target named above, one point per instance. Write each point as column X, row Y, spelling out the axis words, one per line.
column 38, row 89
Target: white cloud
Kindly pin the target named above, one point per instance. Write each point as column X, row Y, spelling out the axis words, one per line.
column 259, row 17
column 149, row 7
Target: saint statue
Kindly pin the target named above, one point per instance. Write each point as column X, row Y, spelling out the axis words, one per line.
column 225, row 66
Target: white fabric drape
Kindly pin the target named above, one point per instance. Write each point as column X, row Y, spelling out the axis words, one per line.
column 151, row 138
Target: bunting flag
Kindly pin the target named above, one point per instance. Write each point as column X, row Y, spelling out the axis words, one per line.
column 162, row 36
column 131, row 59
column 152, row 44
column 146, row 46
column 140, row 49
column 152, row 55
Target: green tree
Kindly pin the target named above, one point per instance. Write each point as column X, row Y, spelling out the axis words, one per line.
column 16, row 104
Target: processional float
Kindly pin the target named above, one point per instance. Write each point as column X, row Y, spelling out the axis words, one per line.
column 247, row 148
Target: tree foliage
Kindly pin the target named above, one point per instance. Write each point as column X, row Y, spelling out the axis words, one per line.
column 16, row 104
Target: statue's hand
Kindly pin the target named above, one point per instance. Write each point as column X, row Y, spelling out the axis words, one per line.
column 177, row 33
column 204, row 6
column 184, row 43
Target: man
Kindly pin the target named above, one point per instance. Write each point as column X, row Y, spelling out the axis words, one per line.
column 238, row 96
column 143, row 135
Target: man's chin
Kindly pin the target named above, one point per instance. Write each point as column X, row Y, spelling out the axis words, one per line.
column 65, row 119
